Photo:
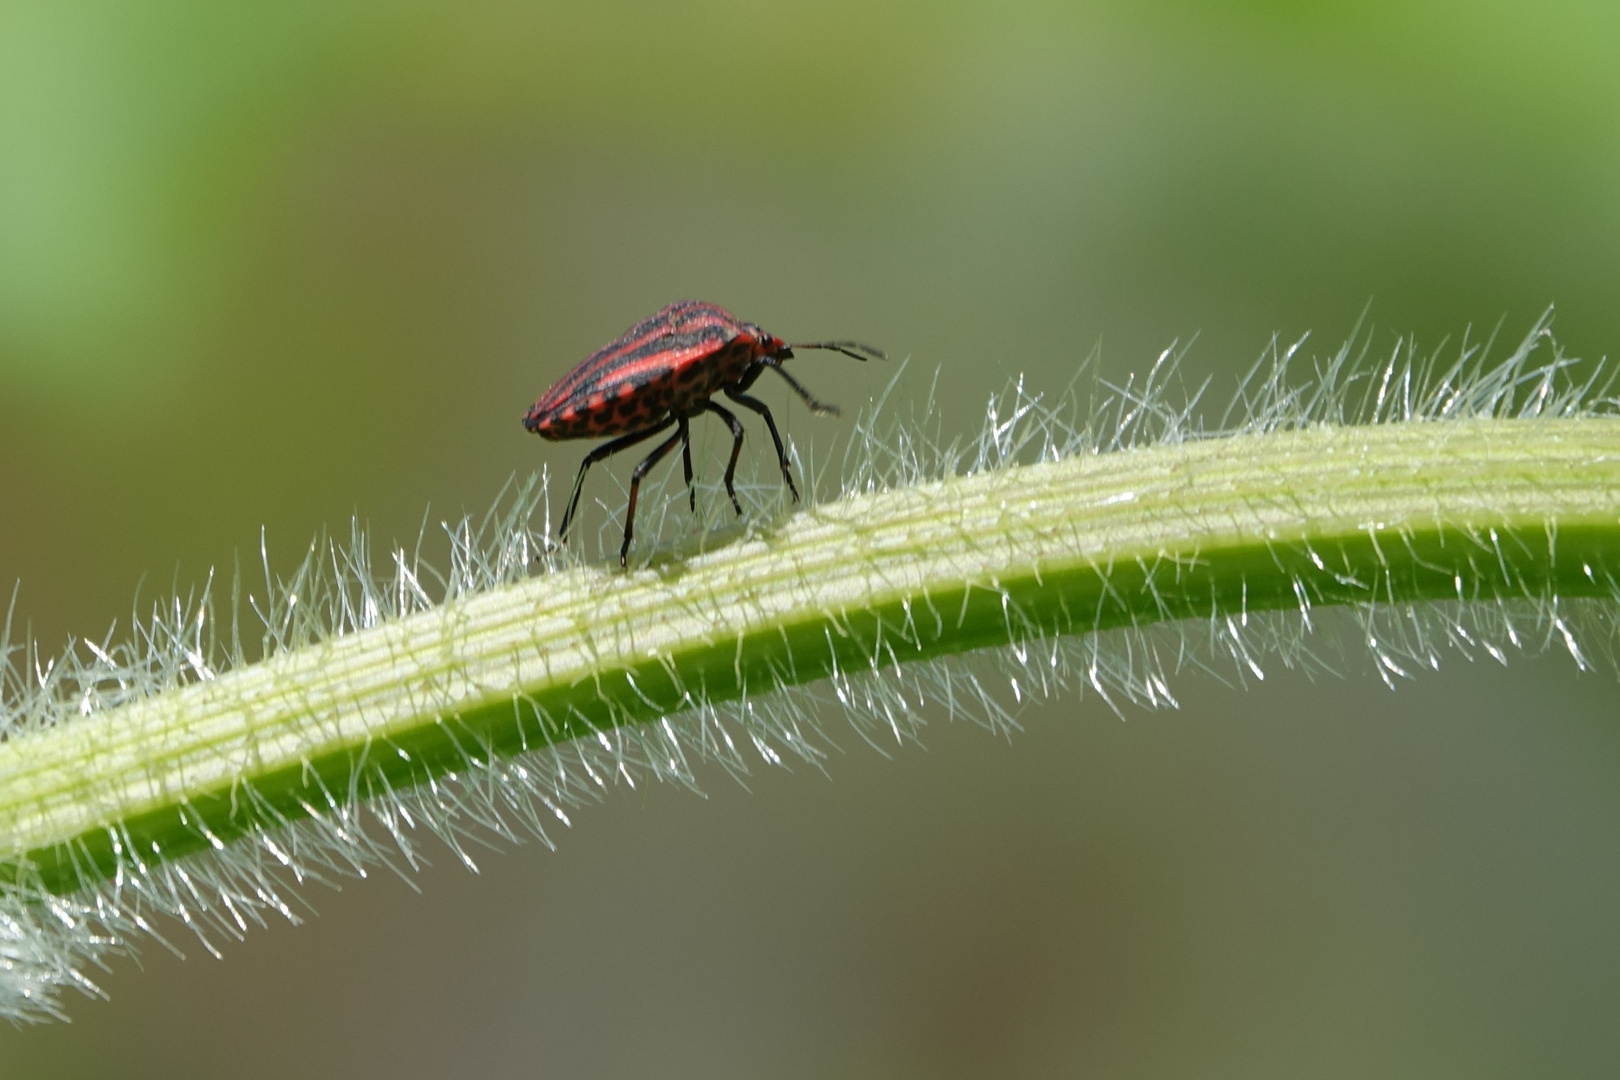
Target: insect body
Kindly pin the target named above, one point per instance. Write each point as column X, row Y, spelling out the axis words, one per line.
column 663, row 372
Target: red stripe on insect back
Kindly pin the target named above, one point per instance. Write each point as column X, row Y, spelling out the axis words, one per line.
column 685, row 317
column 619, row 406
column 649, row 328
column 680, row 325
column 680, row 333
column 639, row 366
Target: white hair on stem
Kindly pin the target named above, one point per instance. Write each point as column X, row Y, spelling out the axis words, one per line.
column 1306, row 604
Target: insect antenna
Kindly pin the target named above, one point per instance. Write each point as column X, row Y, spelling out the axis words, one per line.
column 848, row 348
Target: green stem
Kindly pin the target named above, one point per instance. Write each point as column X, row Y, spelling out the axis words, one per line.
column 1464, row 510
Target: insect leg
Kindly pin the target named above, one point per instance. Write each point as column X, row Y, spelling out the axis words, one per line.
column 686, row 460
column 798, row 388
column 736, row 448
column 770, row 423
column 635, row 487
column 603, row 451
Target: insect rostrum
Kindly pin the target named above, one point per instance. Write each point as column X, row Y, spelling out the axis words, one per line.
column 661, row 373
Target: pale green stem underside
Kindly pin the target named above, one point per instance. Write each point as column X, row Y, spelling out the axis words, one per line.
column 1458, row 510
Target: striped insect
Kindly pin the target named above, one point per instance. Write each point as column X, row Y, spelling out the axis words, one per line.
column 663, row 372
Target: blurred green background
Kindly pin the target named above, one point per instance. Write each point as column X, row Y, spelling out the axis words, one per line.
column 277, row 265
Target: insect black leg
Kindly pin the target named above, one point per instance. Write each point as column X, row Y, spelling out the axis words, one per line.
column 635, row 487
column 686, row 460
column 736, row 448
column 604, row 451
column 798, row 388
column 770, row 423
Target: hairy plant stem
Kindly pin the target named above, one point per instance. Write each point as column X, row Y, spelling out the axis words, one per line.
column 1460, row 510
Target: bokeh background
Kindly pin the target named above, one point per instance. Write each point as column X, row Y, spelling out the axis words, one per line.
column 282, row 264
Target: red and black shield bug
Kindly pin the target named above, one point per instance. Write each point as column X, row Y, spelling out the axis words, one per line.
column 663, row 372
